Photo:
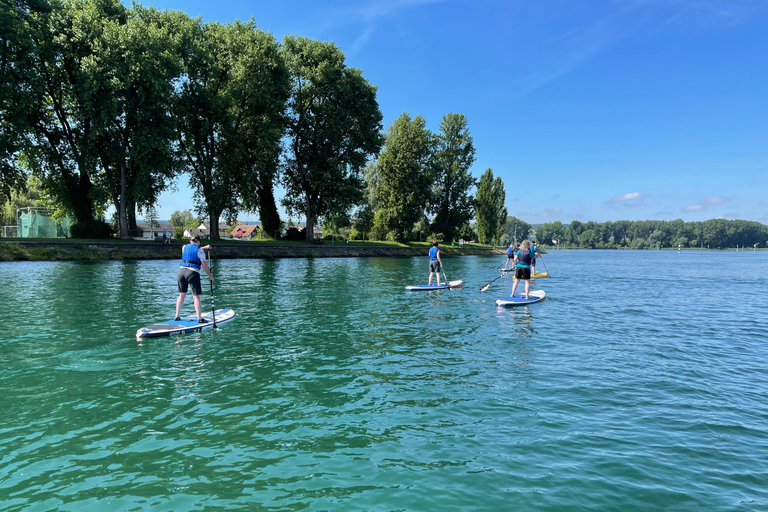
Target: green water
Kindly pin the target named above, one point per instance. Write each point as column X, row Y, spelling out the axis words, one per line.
column 639, row 384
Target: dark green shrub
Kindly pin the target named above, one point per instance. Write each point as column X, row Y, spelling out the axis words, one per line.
column 92, row 229
column 295, row 233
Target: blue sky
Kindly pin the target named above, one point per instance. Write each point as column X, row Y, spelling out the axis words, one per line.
column 588, row 110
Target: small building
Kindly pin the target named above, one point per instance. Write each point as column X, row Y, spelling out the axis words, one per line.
column 153, row 233
column 246, row 231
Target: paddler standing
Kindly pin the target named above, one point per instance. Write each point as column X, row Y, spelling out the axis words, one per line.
column 523, row 261
column 192, row 259
column 434, row 262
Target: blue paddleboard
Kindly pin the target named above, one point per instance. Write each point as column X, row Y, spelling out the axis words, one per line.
column 185, row 325
column 520, row 300
column 429, row 287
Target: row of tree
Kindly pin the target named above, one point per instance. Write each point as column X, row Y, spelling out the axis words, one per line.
column 108, row 105
column 714, row 233
column 421, row 184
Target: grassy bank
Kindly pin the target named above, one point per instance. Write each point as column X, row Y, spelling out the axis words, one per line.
column 100, row 250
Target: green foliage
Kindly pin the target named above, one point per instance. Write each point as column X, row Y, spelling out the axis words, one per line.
column 402, row 179
column 452, row 157
column 653, row 234
column 334, row 125
column 91, row 228
column 516, row 229
column 490, row 211
column 53, row 111
column 230, row 117
column 28, row 195
column 549, row 231
column 131, row 75
column 294, row 233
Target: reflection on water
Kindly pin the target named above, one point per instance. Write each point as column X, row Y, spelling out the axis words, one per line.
column 335, row 389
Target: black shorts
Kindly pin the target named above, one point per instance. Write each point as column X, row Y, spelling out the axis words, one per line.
column 522, row 273
column 188, row 277
column 434, row 266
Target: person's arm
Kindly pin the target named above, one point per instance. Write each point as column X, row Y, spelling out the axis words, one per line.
column 438, row 258
column 207, row 270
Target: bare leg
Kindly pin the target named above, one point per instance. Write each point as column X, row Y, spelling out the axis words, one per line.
column 198, row 306
column 514, row 286
column 527, row 288
column 430, row 279
column 179, row 303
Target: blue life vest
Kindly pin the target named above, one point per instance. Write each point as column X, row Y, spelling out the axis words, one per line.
column 511, row 252
column 525, row 260
column 433, row 253
column 189, row 257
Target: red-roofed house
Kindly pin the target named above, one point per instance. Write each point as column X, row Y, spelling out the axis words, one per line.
column 245, row 232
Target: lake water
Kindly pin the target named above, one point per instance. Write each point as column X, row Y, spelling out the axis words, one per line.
column 639, row 384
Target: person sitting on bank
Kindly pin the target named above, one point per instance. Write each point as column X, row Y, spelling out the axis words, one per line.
column 192, row 259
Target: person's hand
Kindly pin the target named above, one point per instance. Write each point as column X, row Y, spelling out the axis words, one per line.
column 210, row 278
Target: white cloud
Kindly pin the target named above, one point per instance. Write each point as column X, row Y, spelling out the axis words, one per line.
column 705, row 203
column 631, row 199
column 551, row 212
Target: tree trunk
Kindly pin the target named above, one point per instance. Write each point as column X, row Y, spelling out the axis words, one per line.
column 310, row 224
column 123, row 189
column 123, row 193
column 130, row 212
column 213, row 219
column 270, row 218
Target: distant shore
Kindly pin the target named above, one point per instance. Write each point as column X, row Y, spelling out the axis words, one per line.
column 101, row 250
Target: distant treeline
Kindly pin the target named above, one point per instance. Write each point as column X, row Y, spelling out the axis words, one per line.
column 643, row 234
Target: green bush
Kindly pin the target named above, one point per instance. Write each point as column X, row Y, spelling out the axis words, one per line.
column 92, row 229
column 294, row 233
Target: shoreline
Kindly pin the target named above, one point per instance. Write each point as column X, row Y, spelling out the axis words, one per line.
column 84, row 250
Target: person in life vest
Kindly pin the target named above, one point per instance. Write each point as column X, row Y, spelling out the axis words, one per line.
column 192, row 260
column 510, row 255
column 434, row 262
column 523, row 261
column 535, row 249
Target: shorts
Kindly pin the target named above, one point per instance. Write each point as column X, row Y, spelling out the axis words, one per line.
column 188, row 277
column 434, row 266
column 522, row 273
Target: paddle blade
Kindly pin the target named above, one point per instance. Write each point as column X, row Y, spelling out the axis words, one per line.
column 485, row 287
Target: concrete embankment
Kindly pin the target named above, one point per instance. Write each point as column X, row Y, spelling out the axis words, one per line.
column 61, row 250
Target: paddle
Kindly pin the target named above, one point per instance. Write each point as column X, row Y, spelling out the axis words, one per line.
column 545, row 265
column 444, row 276
column 484, row 288
column 213, row 306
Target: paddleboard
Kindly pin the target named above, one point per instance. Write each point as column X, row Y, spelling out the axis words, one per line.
column 520, row 300
column 185, row 325
column 429, row 287
column 538, row 275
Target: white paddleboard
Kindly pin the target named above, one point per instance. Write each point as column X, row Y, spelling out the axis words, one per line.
column 185, row 325
column 430, row 287
column 520, row 300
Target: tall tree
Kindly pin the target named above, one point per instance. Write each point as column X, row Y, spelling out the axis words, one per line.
column 54, row 110
column 453, row 155
column 516, row 229
column 403, row 178
column 17, row 71
column 334, row 125
column 132, row 74
column 490, row 211
column 231, row 114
